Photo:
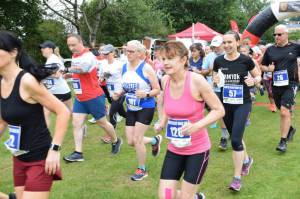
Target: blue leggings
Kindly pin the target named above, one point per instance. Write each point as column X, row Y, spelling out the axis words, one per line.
column 235, row 120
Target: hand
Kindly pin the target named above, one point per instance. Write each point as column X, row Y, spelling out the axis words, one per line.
column 116, row 96
column 140, row 94
column 52, row 162
column 158, row 128
column 216, row 79
column 249, row 81
column 189, row 128
column 271, row 67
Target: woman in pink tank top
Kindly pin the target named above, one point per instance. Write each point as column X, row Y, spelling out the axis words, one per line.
column 184, row 96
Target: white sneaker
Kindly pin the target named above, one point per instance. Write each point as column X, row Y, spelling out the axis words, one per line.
column 92, row 120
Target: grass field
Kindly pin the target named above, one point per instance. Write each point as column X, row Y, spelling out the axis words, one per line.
column 103, row 176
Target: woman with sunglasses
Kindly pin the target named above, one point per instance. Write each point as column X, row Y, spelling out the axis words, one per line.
column 235, row 95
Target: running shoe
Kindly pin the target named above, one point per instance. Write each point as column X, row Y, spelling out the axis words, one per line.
column 12, row 196
column 261, row 90
column 223, row 144
column 92, row 120
column 246, row 167
column 115, row 147
column 291, row 134
column 200, row 195
column 236, row 184
column 213, row 125
column 156, row 147
column 281, row 146
column 272, row 108
column 74, row 157
column 139, row 175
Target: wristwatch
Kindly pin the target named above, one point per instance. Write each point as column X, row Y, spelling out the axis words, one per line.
column 148, row 95
column 55, row 147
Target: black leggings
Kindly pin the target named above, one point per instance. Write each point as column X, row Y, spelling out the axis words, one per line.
column 235, row 120
column 116, row 107
column 106, row 92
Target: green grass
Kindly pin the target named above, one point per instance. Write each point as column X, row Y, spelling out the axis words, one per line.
column 101, row 175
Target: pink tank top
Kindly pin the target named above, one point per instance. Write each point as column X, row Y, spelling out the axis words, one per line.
column 186, row 107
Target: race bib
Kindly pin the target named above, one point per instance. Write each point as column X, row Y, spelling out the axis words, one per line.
column 133, row 103
column 110, row 87
column 13, row 143
column 280, row 78
column 233, row 94
column 173, row 133
column 77, row 86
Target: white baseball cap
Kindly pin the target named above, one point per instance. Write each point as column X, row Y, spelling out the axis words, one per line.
column 216, row 41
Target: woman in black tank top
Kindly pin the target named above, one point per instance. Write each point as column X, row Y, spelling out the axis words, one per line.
column 22, row 98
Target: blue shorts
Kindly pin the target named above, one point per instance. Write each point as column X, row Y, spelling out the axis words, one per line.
column 95, row 107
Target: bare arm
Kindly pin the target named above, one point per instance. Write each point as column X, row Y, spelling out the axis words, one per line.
column 34, row 92
column 150, row 74
column 3, row 126
column 205, row 93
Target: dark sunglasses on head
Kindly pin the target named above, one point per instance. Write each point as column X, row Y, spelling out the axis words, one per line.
column 277, row 34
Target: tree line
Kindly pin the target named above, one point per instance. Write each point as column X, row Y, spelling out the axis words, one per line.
column 117, row 21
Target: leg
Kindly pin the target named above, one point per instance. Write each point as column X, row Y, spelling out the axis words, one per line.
column 68, row 103
column 138, row 139
column 3, row 196
column 108, row 128
column 187, row 191
column 285, row 121
column 19, row 191
column 112, row 113
column 78, row 121
column 167, row 189
column 240, row 118
column 35, row 195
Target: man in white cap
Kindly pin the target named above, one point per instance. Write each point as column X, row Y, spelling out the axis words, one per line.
column 217, row 50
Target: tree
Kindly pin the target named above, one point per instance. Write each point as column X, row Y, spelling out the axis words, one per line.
column 22, row 18
column 126, row 20
column 71, row 11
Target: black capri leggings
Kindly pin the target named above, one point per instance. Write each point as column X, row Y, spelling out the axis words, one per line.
column 235, row 120
column 116, row 107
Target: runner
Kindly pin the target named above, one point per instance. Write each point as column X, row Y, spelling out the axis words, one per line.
column 184, row 101
column 140, row 85
column 56, row 84
column 207, row 69
column 35, row 166
column 236, row 99
column 281, row 60
column 112, row 73
column 90, row 98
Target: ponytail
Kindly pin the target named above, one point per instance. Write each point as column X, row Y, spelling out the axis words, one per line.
column 40, row 72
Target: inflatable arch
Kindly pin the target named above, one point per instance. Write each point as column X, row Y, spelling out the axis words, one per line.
column 277, row 11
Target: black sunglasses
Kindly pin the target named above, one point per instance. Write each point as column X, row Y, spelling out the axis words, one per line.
column 277, row 34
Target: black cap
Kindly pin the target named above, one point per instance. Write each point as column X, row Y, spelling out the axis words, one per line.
column 48, row 44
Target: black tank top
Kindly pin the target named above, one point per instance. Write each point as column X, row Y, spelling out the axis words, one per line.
column 35, row 136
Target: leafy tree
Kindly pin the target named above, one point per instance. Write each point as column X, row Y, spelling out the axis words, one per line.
column 125, row 20
column 54, row 31
column 22, row 17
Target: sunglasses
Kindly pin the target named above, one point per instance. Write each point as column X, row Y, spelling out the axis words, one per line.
column 277, row 34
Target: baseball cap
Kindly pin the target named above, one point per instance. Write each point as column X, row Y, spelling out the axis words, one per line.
column 48, row 44
column 107, row 49
column 216, row 41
